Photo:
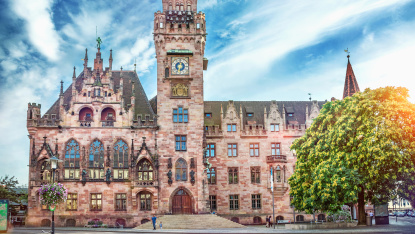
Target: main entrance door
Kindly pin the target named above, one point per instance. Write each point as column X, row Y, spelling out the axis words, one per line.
column 182, row 203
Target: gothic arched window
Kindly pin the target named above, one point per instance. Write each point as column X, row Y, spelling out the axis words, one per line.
column 181, row 170
column 120, row 160
column 145, row 170
column 96, row 160
column 45, row 171
column 72, row 159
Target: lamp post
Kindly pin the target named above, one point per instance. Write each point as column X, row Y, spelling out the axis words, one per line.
column 53, row 164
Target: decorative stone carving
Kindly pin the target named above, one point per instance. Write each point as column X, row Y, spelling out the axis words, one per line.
column 169, row 175
column 83, row 177
column 192, row 163
column 170, row 164
column 192, row 177
column 180, row 90
column 108, row 176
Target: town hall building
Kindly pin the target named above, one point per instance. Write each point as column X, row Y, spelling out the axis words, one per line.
column 125, row 157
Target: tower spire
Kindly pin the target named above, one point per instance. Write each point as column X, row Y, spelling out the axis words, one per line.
column 86, row 58
column 350, row 84
column 110, row 59
column 74, row 75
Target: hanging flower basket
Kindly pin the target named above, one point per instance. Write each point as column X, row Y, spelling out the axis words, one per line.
column 52, row 194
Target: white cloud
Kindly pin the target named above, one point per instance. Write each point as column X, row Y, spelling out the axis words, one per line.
column 41, row 30
column 274, row 29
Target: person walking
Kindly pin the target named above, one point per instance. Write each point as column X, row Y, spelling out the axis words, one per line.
column 267, row 221
column 161, row 225
column 270, row 221
column 154, row 221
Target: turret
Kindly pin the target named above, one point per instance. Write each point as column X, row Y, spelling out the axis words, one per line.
column 33, row 114
column 110, row 60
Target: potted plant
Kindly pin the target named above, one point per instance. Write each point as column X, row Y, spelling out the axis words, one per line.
column 52, row 194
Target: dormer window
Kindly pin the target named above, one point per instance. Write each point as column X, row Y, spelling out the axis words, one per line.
column 208, row 115
column 275, row 127
column 231, row 127
column 250, row 114
column 290, row 114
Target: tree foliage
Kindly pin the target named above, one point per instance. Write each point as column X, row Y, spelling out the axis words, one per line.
column 8, row 187
column 364, row 143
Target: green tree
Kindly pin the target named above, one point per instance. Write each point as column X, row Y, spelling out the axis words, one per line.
column 8, row 187
column 358, row 149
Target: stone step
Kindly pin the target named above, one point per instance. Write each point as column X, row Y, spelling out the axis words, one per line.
column 206, row 221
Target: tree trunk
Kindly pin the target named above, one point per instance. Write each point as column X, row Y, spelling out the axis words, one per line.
column 361, row 206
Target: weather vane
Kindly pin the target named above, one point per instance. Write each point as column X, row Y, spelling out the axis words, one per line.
column 347, row 51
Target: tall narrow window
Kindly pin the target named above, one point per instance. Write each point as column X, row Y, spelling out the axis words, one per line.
column 254, row 149
column 212, row 201
column 278, row 174
column 96, row 160
column 255, row 175
column 170, row 7
column 275, row 149
column 45, row 171
column 256, row 201
column 180, row 115
column 210, row 150
column 181, row 143
column 232, row 150
column 120, row 201
column 145, row 201
column 234, row 202
column 72, row 159
column 96, row 202
column 72, row 201
column 144, row 170
column 181, row 170
column 120, row 160
column 166, row 71
column 233, row 175
column 189, row 8
column 211, row 175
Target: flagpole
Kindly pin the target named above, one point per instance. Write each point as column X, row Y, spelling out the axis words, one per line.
column 273, row 208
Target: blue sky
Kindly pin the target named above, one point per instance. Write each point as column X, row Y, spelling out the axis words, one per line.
column 257, row 50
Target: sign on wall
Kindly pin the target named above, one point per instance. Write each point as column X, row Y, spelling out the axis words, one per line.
column 4, row 205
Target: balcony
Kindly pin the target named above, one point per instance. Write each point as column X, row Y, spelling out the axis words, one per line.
column 277, row 159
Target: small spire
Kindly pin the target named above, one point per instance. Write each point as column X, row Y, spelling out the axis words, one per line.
column 61, row 88
column 135, row 64
column 86, row 58
column 110, row 59
column 350, row 85
column 74, row 75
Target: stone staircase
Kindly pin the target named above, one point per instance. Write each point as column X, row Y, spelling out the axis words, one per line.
column 206, row 221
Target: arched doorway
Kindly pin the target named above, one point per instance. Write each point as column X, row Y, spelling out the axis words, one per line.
column 182, row 203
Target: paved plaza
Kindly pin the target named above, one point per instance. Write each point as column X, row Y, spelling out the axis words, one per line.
column 403, row 225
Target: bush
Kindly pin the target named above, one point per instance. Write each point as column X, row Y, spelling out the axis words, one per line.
column 342, row 215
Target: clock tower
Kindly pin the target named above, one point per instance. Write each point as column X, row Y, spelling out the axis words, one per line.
column 179, row 38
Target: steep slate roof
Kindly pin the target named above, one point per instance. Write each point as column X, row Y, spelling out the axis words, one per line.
column 350, row 84
column 142, row 105
column 298, row 108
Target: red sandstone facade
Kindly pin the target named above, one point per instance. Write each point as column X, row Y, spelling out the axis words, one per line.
column 126, row 158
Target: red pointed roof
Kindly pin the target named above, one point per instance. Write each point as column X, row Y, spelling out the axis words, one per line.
column 350, row 84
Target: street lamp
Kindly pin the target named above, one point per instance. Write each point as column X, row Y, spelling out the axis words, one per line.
column 53, row 164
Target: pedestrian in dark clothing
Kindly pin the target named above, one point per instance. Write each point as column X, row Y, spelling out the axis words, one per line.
column 270, row 221
column 154, row 221
column 267, row 220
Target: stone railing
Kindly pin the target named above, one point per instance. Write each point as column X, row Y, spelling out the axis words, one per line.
column 146, row 183
column 212, row 132
column 85, row 123
column 42, row 122
column 108, row 123
column 253, row 132
column 277, row 159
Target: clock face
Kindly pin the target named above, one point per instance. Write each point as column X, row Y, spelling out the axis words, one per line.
column 180, row 65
